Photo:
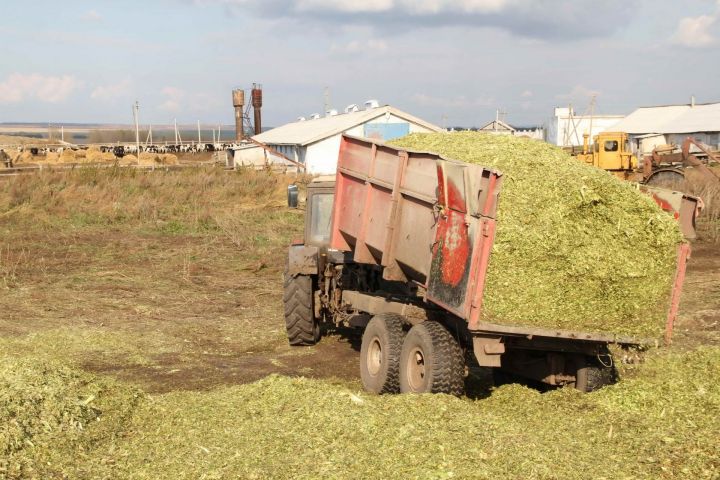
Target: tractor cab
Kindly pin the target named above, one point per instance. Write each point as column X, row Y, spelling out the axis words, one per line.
column 611, row 152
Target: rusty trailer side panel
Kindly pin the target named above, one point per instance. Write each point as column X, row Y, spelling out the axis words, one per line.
column 422, row 217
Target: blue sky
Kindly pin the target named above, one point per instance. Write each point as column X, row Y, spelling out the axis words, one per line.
column 451, row 61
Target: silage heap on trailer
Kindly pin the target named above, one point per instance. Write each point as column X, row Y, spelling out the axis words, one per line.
column 575, row 249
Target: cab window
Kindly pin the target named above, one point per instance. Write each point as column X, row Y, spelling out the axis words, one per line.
column 611, row 146
column 320, row 214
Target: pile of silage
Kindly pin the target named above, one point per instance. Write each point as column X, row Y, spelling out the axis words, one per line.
column 53, row 416
column 576, row 248
column 661, row 423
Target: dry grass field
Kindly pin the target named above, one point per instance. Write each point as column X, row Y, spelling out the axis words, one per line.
column 138, row 308
column 170, row 279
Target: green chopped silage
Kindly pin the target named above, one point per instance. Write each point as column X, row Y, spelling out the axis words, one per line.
column 660, row 422
column 52, row 417
column 576, row 248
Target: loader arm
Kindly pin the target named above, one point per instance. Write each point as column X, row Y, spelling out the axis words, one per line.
column 691, row 160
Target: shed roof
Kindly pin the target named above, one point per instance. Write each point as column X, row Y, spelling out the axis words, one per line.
column 672, row 119
column 310, row 131
column 497, row 125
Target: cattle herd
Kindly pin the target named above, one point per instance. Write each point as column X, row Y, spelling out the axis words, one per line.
column 122, row 150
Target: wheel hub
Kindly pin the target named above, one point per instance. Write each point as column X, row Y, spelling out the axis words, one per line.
column 416, row 369
column 374, row 357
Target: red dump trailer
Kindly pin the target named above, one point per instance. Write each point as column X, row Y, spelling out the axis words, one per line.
column 398, row 243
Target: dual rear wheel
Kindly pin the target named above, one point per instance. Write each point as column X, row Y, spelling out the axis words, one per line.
column 424, row 359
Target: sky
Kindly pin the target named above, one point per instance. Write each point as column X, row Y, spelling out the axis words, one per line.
column 450, row 62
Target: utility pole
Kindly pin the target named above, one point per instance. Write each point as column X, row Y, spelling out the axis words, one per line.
column 326, row 96
column 62, row 133
column 199, row 138
column 136, row 114
column 592, row 112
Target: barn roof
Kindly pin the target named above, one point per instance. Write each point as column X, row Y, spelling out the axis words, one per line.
column 497, row 126
column 672, row 119
column 312, row 130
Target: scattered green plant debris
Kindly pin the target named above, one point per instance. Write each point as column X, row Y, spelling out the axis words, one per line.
column 660, row 421
column 576, row 248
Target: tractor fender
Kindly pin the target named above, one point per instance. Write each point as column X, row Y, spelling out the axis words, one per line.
column 303, row 260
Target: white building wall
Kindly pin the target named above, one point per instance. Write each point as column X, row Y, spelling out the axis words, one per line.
column 565, row 129
column 321, row 157
column 711, row 139
column 535, row 134
column 251, row 155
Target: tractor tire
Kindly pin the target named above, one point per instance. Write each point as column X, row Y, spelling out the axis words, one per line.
column 302, row 328
column 431, row 361
column 591, row 375
column 380, row 353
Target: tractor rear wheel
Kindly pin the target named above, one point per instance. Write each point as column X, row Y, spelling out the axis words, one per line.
column 380, row 353
column 671, row 179
column 300, row 323
column 431, row 361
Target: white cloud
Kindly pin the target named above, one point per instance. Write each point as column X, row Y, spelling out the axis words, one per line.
column 348, row 6
column 526, row 94
column 358, row 46
column 91, row 16
column 51, row 89
column 526, row 18
column 460, row 101
column 174, row 97
column 414, row 7
column 696, row 32
column 111, row 92
column 578, row 92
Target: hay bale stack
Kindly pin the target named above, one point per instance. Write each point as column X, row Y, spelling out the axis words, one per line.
column 168, row 159
column 147, row 158
column 80, row 154
column 576, row 248
column 94, row 155
column 128, row 160
column 23, row 157
column 68, row 156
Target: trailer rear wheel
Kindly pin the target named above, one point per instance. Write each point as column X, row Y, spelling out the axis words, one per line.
column 380, row 353
column 300, row 323
column 431, row 361
column 591, row 374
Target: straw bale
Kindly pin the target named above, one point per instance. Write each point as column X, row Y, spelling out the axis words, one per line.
column 148, row 158
column 168, row 159
column 68, row 156
column 23, row 157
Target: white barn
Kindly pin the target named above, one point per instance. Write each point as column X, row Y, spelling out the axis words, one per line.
column 566, row 129
column 649, row 127
column 315, row 142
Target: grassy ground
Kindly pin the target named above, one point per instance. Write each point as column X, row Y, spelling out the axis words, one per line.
column 136, row 308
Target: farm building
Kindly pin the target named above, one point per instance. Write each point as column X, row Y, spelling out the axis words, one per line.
column 566, row 129
column 315, row 142
column 649, row 127
column 497, row 127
